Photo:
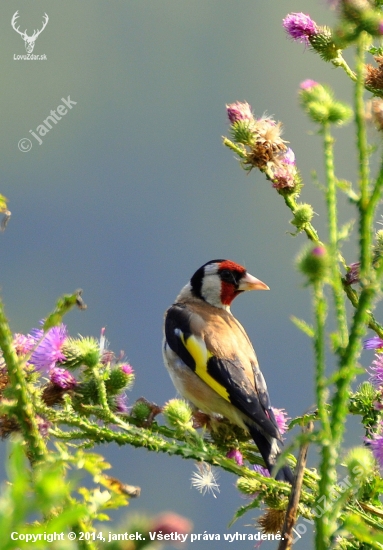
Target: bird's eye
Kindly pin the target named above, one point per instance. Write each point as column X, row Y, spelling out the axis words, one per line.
column 227, row 276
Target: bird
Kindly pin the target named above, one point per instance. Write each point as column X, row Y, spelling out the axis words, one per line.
column 211, row 360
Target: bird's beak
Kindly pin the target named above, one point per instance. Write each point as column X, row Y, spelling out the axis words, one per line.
column 248, row 282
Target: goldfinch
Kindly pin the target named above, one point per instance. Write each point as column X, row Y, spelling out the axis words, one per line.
column 210, row 358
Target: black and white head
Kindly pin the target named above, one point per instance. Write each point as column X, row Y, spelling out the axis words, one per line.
column 218, row 282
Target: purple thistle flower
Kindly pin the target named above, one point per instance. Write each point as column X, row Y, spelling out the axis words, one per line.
column 352, row 275
column 373, row 343
column 48, row 352
column 261, row 470
column 122, row 403
column 236, row 455
column 376, row 372
column 289, row 157
column 239, row 111
column 300, row 27
column 308, row 84
column 380, row 28
column 127, row 369
column 281, row 418
column 62, row 378
column 376, row 444
column 43, row 426
column 23, row 344
column 318, row 251
column 284, row 176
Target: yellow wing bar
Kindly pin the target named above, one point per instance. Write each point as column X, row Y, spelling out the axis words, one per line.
column 201, row 355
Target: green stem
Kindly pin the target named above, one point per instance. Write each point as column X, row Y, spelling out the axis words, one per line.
column 348, row 364
column 239, row 150
column 353, row 296
column 367, row 205
column 341, row 62
column 141, row 437
column 331, row 199
column 24, row 408
column 320, row 360
column 365, row 212
column 327, row 471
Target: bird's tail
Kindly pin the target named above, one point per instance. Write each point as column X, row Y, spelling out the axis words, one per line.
column 285, row 474
column 268, row 447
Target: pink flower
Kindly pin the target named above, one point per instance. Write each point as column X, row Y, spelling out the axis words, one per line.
column 169, row 522
column 48, row 352
column 300, row 27
column 376, row 444
column 308, row 84
column 373, row 343
column 376, row 374
column 43, row 426
column 261, row 470
column 127, row 369
column 62, row 378
column 289, row 157
column 236, row 455
column 23, row 344
column 239, row 111
column 319, row 251
column 121, row 403
column 352, row 275
column 284, row 176
column 281, row 418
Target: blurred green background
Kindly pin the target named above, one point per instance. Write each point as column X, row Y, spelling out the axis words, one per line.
column 133, row 190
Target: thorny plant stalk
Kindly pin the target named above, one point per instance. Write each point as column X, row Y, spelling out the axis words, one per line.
column 23, row 407
column 89, row 410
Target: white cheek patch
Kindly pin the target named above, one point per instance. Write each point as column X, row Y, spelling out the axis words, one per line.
column 211, row 289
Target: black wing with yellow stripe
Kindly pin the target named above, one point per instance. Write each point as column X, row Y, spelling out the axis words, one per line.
column 226, row 376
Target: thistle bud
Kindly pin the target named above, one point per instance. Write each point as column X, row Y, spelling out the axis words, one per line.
column 81, row 351
column 120, row 378
column 314, row 263
column 239, row 112
column 362, row 14
column 178, row 414
column 303, row 214
column 353, row 273
column 141, row 411
column 313, row 91
column 242, row 131
column 323, row 43
column 319, row 103
column 248, row 486
column 339, row 113
column 360, row 464
column 86, row 394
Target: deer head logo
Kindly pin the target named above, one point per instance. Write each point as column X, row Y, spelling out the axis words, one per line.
column 29, row 40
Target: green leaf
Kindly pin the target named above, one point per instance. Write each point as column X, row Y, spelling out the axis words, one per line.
column 303, row 326
column 243, row 509
column 345, row 231
column 355, row 525
column 64, row 304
